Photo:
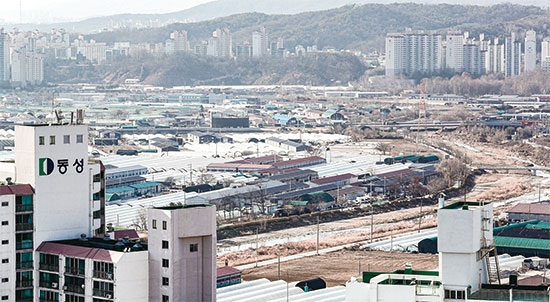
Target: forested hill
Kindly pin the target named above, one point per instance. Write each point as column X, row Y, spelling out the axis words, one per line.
column 360, row 27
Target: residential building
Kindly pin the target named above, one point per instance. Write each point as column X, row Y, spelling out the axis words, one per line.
column 4, row 57
column 182, row 253
column 413, row 53
column 530, row 50
column 454, row 52
column 260, row 41
column 512, row 56
column 92, row 269
column 545, row 54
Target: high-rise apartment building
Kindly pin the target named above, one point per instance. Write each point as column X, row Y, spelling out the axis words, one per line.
column 512, row 56
column 530, row 50
column 454, row 52
column 260, row 41
column 4, row 58
column 413, row 53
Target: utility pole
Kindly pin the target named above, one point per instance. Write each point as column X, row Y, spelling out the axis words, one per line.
column 420, row 218
column 279, row 263
column 317, row 235
column 371, row 221
column 256, row 247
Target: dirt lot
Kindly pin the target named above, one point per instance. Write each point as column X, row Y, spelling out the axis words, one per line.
column 337, row 268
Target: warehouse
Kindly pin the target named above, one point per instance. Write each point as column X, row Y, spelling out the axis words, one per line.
column 527, row 211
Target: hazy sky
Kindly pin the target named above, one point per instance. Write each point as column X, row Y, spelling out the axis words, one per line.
column 68, row 10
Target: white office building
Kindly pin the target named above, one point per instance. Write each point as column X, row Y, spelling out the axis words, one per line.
column 530, row 50
column 413, row 53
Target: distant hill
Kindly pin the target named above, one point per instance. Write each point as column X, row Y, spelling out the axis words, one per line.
column 190, row 69
column 224, row 8
column 352, row 27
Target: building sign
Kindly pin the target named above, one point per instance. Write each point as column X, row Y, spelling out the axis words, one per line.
column 47, row 166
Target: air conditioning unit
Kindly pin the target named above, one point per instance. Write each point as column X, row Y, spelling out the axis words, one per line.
column 54, row 285
column 109, row 276
column 108, row 296
column 65, row 287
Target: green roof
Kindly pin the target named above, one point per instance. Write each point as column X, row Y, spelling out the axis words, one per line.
column 525, row 243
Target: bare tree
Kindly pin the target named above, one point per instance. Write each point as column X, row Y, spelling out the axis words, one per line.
column 140, row 222
column 383, row 147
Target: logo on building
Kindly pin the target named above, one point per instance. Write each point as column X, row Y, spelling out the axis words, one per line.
column 45, row 166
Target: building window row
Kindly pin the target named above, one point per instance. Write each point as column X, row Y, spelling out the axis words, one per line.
column 66, row 139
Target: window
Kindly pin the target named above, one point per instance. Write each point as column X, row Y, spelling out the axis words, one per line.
column 41, row 140
column 52, row 139
column 5, row 298
column 165, row 244
column 165, row 263
column 4, row 242
column 6, row 260
column 5, row 280
column 455, row 294
column 154, row 224
column 165, row 281
column 5, row 203
column 5, row 222
column 165, row 298
column 66, row 139
column 164, row 225
column 194, row 247
column 79, row 138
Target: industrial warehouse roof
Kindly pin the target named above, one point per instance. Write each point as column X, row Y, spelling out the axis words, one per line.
column 331, row 179
column 535, row 209
column 277, row 291
column 523, row 243
column 124, row 169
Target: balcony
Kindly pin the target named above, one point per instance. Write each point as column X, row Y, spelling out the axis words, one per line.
column 49, row 284
column 77, row 271
column 24, row 265
column 24, row 300
column 23, row 208
column 48, row 300
column 72, row 288
column 23, row 227
column 103, row 275
column 103, row 293
column 49, row 267
column 23, row 245
column 23, row 283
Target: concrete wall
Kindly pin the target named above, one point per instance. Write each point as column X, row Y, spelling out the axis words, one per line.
column 132, row 277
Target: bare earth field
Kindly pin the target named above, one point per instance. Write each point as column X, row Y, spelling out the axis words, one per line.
column 336, row 268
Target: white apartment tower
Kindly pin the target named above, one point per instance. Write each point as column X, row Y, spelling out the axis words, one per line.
column 413, row 53
column 545, row 54
column 512, row 56
column 530, row 50
column 4, row 57
column 454, row 52
column 260, row 41
column 182, row 253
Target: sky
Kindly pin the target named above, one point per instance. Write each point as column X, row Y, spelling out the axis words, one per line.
column 47, row 11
